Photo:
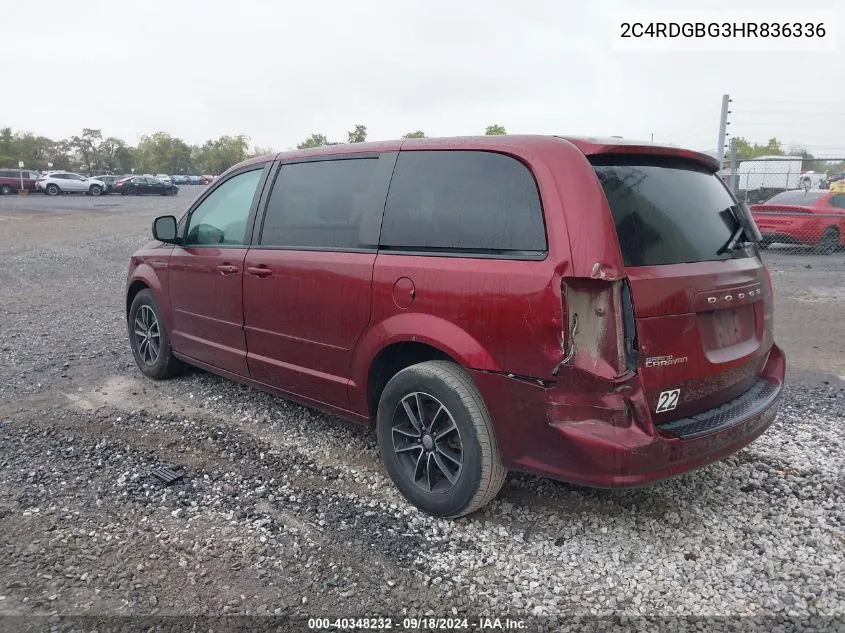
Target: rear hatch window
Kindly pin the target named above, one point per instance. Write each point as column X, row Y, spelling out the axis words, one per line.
column 668, row 210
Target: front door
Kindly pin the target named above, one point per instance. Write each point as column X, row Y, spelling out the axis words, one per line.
column 76, row 182
column 154, row 185
column 206, row 276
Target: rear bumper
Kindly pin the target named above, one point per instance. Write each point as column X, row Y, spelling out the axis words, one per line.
column 600, row 434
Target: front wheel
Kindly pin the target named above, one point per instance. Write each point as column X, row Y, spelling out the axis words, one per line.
column 95, row 190
column 6, row 190
column 149, row 339
column 436, row 438
column 829, row 241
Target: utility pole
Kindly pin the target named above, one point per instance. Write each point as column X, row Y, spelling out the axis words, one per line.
column 723, row 128
column 734, row 166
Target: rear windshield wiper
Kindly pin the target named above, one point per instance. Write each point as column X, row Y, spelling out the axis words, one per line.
column 744, row 226
column 734, row 243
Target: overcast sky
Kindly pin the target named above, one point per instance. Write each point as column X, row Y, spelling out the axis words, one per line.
column 279, row 71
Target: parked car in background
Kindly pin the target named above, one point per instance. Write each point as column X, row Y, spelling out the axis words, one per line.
column 207, row 179
column 597, row 311
column 109, row 181
column 180, row 180
column 195, row 180
column 10, row 180
column 145, row 185
column 60, row 182
column 814, row 218
column 835, row 177
column 164, row 178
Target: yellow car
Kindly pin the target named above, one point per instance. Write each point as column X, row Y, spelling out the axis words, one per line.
column 838, row 186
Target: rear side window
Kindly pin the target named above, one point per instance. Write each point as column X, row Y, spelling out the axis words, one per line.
column 667, row 211
column 319, row 204
column 797, row 197
column 463, row 201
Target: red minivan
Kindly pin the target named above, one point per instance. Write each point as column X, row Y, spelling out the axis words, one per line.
column 590, row 310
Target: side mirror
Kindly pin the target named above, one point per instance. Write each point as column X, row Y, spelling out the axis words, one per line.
column 164, row 229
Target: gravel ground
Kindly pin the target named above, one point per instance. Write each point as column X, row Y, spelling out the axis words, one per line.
column 283, row 510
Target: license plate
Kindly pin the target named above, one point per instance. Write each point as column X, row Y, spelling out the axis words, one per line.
column 729, row 328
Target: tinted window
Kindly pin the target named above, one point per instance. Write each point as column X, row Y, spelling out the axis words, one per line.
column 798, row 196
column 5, row 173
column 838, row 201
column 222, row 217
column 462, row 201
column 666, row 211
column 319, row 204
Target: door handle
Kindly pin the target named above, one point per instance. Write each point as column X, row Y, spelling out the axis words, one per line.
column 227, row 269
column 259, row 271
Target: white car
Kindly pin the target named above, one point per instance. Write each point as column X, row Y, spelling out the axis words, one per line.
column 165, row 178
column 60, row 182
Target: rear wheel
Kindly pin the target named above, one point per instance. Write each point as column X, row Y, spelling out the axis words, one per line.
column 149, row 339
column 130, row 191
column 6, row 190
column 95, row 190
column 829, row 241
column 436, row 438
column 52, row 190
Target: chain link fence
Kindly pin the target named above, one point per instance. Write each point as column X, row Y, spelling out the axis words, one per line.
column 796, row 209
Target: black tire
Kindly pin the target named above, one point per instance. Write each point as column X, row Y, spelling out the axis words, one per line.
column 165, row 364
column 6, row 190
column 829, row 241
column 131, row 191
column 52, row 190
column 480, row 474
column 95, row 190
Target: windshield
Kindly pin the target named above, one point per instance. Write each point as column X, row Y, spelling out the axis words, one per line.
column 668, row 211
column 799, row 197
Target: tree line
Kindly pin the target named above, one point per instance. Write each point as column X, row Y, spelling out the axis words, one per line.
column 773, row 147
column 157, row 153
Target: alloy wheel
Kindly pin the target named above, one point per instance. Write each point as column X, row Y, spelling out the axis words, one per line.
column 427, row 442
column 147, row 335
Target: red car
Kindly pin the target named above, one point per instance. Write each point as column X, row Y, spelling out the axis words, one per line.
column 815, row 217
column 10, row 180
column 594, row 311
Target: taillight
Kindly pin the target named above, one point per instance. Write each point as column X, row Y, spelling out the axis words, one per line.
column 769, row 312
column 600, row 332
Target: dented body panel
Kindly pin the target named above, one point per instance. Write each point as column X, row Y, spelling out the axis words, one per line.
column 597, row 433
